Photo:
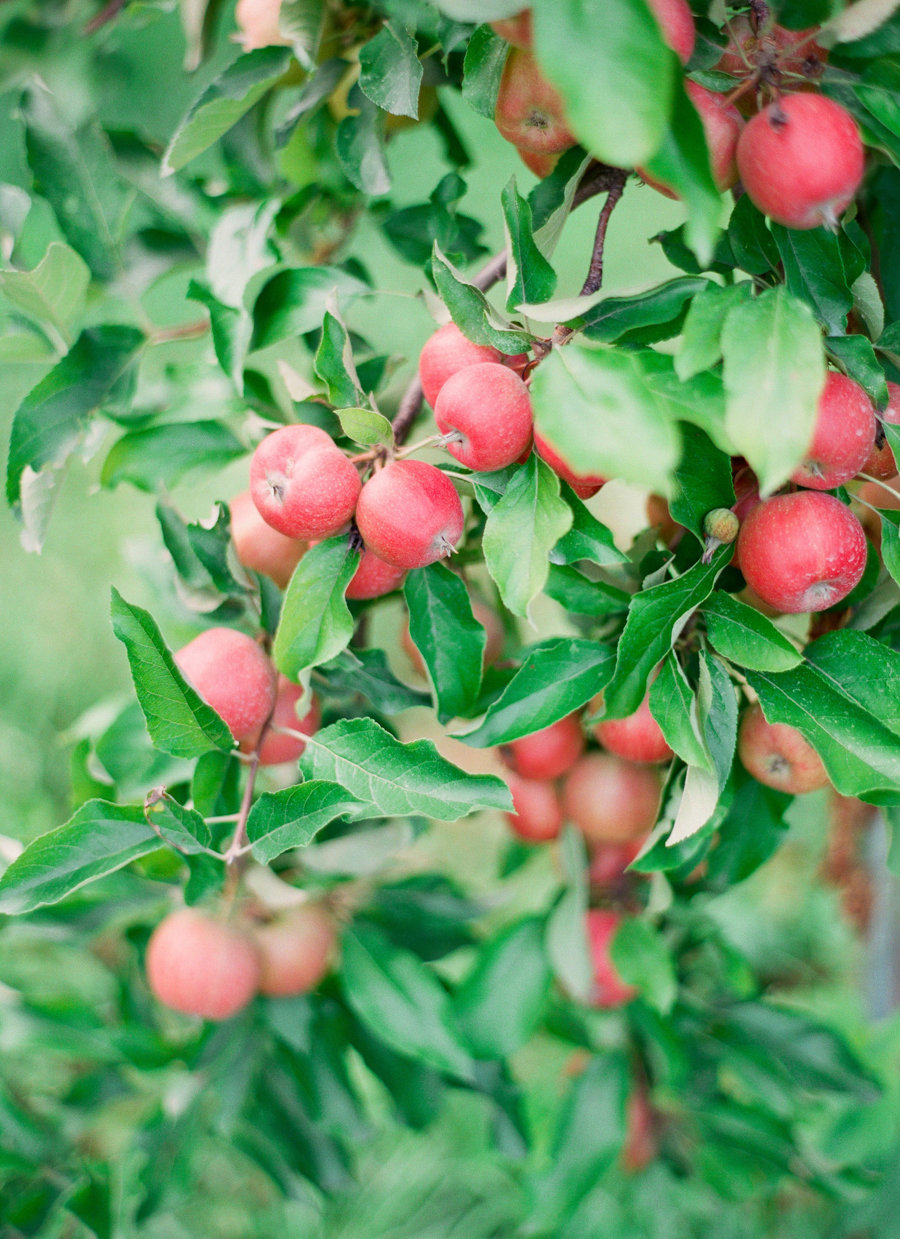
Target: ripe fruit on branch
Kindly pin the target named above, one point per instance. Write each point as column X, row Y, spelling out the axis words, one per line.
column 676, row 23
column 201, row 966
column 540, row 165
column 583, row 484
column 409, row 514
column 843, row 435
column 801, row 160
column 778, row 755
column 722, row 125
column 538, row 812
column 302, row 483
column 374, row 577
column 516, row 30
column 257, row 22
column 447, row 351
column 548, row 753
column 609, row 861
column 638, row 737
column 490, row 407
column 233, row 676
column 802, row 552
column 880, row 462
column 277, row 748
column 529, row 111
column 295, row 950
column 769, row 50
column 609, row 990
column 260, row 547
column 611, row 800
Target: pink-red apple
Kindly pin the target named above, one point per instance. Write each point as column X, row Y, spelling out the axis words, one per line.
column 676, row 22
column 302, row 483
column 722, row 125
column 538, row 812
column 548, row 753
column 489, row 407
column 448, row 350
column 258, row 546
column 638, row 737
column 516, row 30
column 609, row 990
column 277, row 747
column 584, row 484
column 611, row 800
column 374, row 577
column 779, row 755
column 409, row 514
column 257, row 22
column 609, row 861
column 233, row 676
column 201, row 965
column 842, row 437
column 295, row 950
column 802, row 552
column 529, row 111
column 880, row 462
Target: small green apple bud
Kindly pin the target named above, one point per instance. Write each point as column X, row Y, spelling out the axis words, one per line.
column 721, row 524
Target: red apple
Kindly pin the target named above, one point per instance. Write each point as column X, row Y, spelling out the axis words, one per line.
column 802, row 552
column 584, row 484
column 516, row 30
column 609, row 861
column 609, row 989
column 638, row 737
column 769, row 49
column 548, row 753
column 676, row 22
column 779, row 755
column 233, row 676
column 489, row 406
column 302, row 483
column 374, row 577
column 722, row 125
column 538, row 812
column 202, row 966
column 540, row 165
column 295, row 950
column 801, row 160
column 880, row 462
column 611, row 800
column 448, row 350
column 529, row 111
column 257, row 22
column 843, row 435
column 260, row 547
column 276, row 747
column 409, row 514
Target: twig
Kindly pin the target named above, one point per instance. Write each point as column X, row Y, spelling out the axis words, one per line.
column 187, row 331
column 106, row 14
column 760, row 12
column 238, row 843
column 595, row 272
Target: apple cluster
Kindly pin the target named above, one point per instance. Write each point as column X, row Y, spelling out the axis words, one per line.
column 204, row 964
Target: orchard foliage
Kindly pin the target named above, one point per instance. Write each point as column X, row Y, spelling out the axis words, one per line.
column 154, row 146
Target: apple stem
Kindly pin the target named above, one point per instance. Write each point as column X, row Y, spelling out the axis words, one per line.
column 238, row 843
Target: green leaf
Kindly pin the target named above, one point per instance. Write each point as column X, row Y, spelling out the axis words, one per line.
column 223, row 103
column 774, row 374
column 697, row 806
column 50, row 423
column 280, row 821
column 588, row 538
column 582, row 596
column 865, row 670
column 334, row 363
column 316, row 623
column 529, row 276
column 643, row 959
column 673, row 704
column 593, row 405
column 655, row 619
column 199, row 552
column 232, row 329
column 890, row 546
column 557, row 677
column 53, row 292
column 302, row 22
column 701, row 345
column 390, row 71
column 856, row 355
column 156, row 458
column 360, row 146
column 703, row 478
column 751, row 831
column 401, row 1002
column 614, row 73
column 399, row 779
column 752, row 245
column 718, row 708
column 642, row 318
column 699, row 400
column 447, row 635
column 745, row 637
column 366, row 672
column 499, row 1004
column 482, row 70
column 521, row 530
column 472, row 312
column 365, row 427
column 295, row 302
column 74, row 170
column 184, row 829
column 98, row 840
column 566, row 941
column 178, row 720
column 814, row 272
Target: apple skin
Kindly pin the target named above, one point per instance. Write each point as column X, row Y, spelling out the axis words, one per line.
column 516, row 30
column 779, row 755
column 676, row 22
column 842, row 438
column 802, row 552
column 409, row 514
column 201, row 966
column 529, row 111
column 609, row 990
column 538, row 812
column 637, row 738
column 448, row 350
column 609, row 862
column 722, row 125
column 257, row 22
column 540, row 165
column 746, row 491
column 880, row 462
column 302, row 483
column 489, row 405
column 277, row 748
column 584, row 484
column 769, row 49
column 374, row 578
column 801, row 160
column 295, row 950
column 233, row 676
column 258, row 546
column 548, row 753
column 611, row 800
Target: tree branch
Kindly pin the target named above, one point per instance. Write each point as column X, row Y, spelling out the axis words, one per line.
column 106, row 14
